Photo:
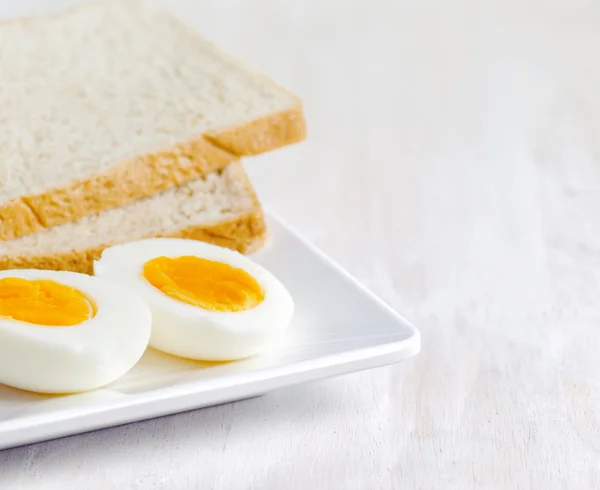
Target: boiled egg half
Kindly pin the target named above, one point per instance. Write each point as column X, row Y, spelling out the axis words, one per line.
column 64, row 332
column 208, row 302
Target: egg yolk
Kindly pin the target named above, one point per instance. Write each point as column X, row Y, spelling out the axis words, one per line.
column 43, row 302
column 204, row 283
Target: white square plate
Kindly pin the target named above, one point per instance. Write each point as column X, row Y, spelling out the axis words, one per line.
column 338, row 327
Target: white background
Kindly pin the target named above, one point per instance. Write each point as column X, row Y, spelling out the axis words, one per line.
column 453, row 165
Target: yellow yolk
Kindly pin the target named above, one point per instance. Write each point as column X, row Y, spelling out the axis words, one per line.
column 204, row 283
column 43, row 302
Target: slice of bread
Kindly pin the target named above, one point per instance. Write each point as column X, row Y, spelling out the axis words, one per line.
column 220, row 208
column 116, row 101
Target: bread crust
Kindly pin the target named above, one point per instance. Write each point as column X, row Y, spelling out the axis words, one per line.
column 150, row 174
column 263, row 134
column 245, row 234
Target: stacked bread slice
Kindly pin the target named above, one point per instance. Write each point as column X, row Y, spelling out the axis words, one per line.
column 120, row 122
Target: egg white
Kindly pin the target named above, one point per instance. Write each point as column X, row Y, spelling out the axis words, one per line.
column 189, row 331
column 81, row 357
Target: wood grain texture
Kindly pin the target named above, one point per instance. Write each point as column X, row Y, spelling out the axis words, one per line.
column 453, row 165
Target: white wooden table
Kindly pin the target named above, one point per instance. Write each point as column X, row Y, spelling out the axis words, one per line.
column 453, row 165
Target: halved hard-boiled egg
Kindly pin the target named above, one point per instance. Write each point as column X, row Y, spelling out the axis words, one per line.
column 64, row 332
column 208, row 302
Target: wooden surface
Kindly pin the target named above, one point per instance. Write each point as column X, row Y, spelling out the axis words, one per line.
column 453, row 165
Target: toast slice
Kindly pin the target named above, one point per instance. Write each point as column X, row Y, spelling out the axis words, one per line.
column 220, row 208
column 115, row 101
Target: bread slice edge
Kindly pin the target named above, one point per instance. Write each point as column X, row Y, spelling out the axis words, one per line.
column 246, row 234
column 150, row 174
